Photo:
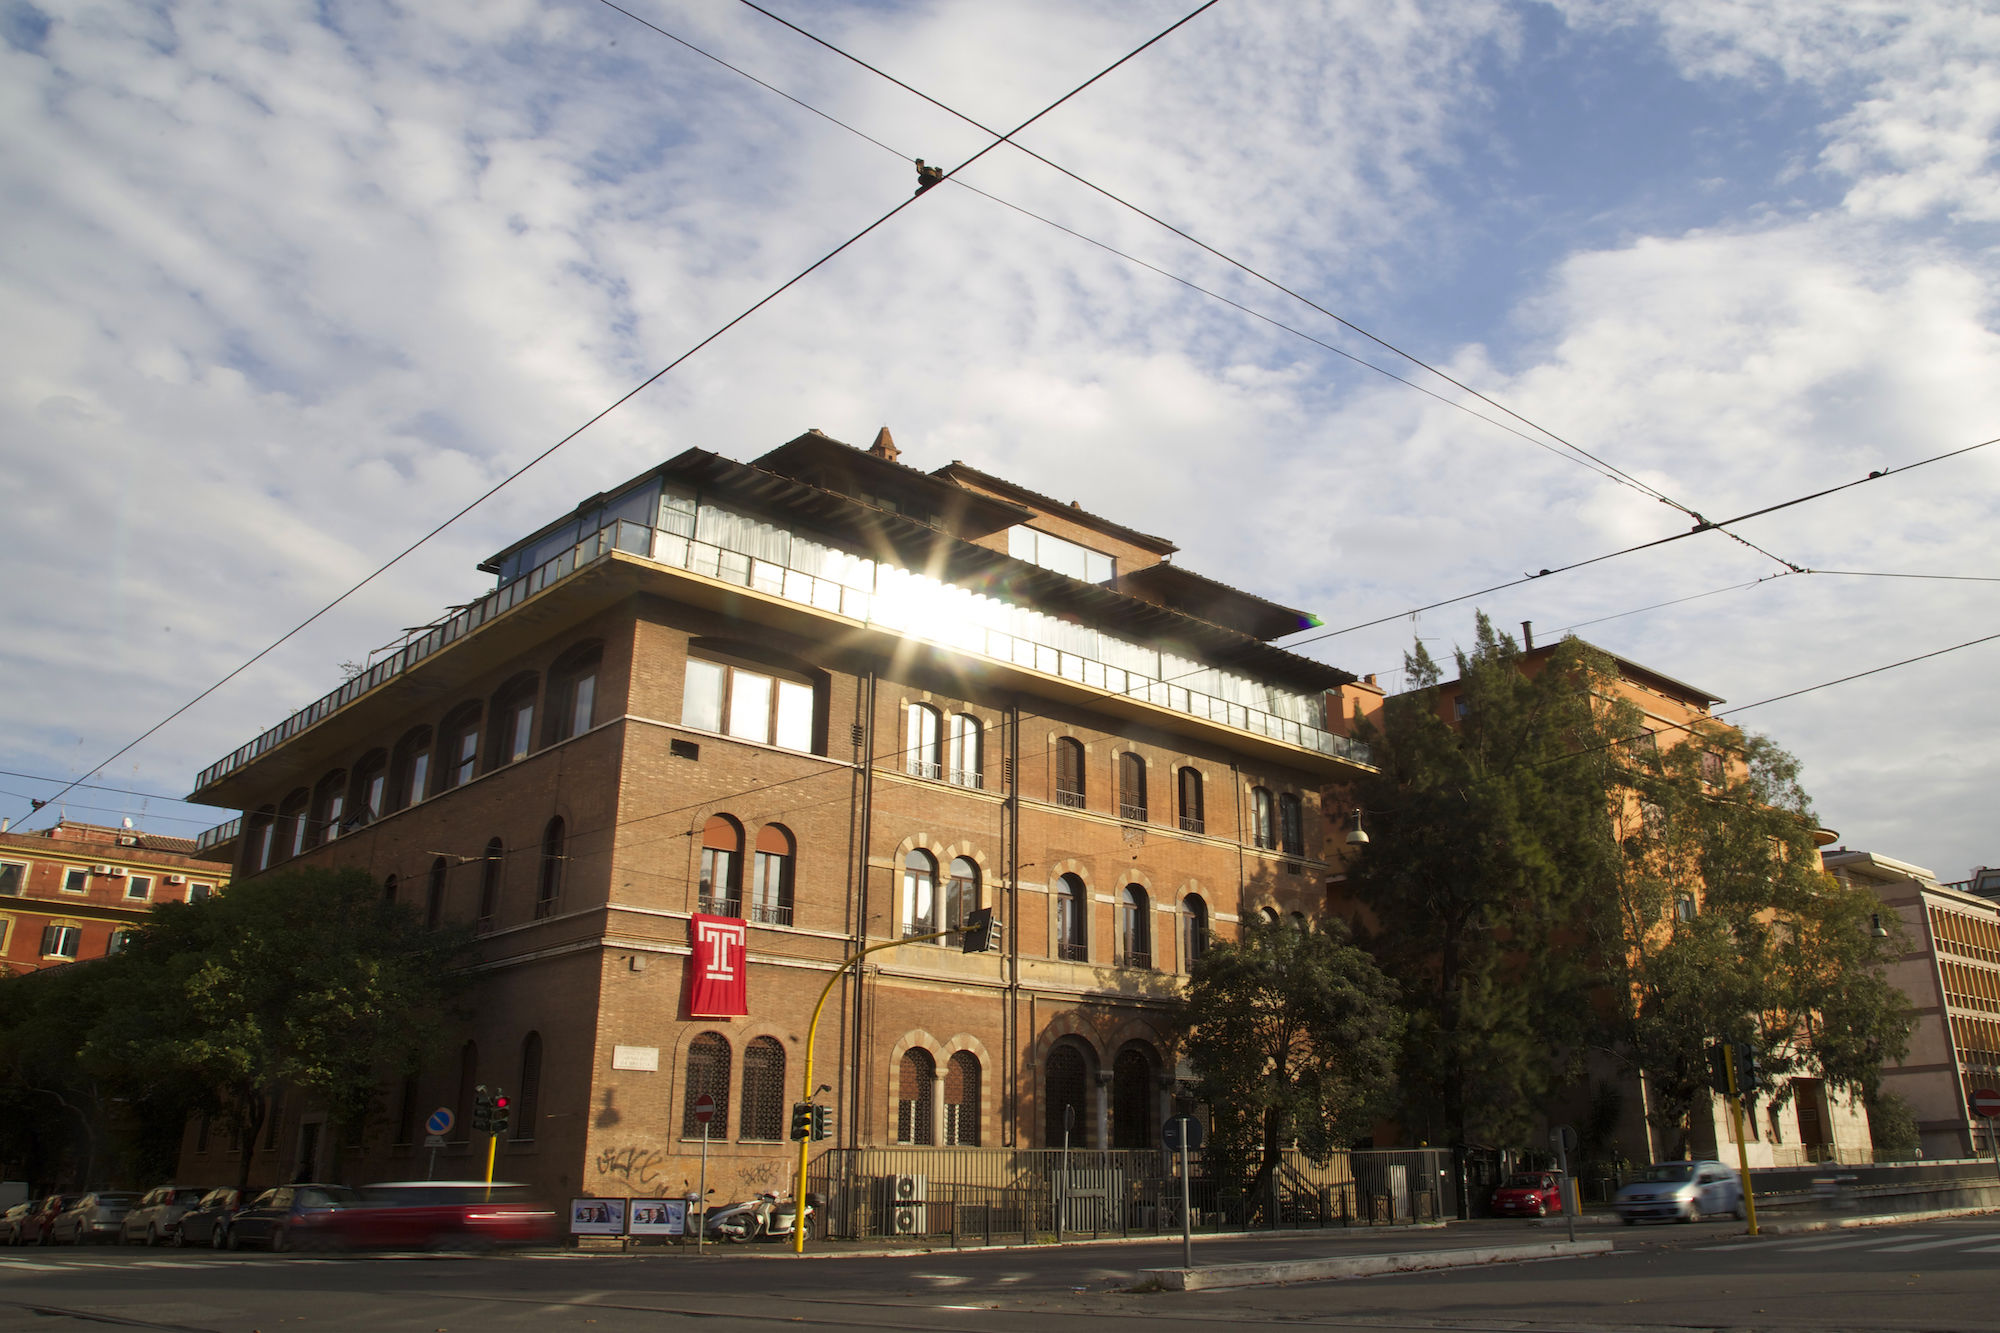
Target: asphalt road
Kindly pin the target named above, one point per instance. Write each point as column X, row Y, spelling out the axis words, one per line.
column 1935, row 1276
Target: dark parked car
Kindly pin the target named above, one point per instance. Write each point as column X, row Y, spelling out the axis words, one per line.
column 34, row 1228
column 157, row 1217
column 10, row 1222
column 96, row 1216
column 444, row 1214
column 290, row 1216
column 207, row 1223
column 1529, row 1194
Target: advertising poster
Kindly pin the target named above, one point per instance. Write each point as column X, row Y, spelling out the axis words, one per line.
column 659, row 1217
column 597, row 1217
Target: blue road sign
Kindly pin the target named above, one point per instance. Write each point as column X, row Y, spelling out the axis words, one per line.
column 441, row 1121
column 1171, row 1132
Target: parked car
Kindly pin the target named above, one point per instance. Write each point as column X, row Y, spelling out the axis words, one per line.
column 97, row 1216
column 443, row 1214
column 207, row 1223
column 10, row 1222
column 1680, row 1192
column 290, row 1216
column 157, row 1217
column 35, row 1227
column 1529, row 1194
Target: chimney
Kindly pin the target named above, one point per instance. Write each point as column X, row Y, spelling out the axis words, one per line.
column 1528, row 635
column 884, row 446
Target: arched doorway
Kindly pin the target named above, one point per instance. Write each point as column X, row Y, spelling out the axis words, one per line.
column 1134, row 1108
column 1066, row 1088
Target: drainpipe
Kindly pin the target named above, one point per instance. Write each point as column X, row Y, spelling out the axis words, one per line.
column 857, row 1072
column 1010, row 1130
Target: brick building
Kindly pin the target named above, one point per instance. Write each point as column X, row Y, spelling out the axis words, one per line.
column 837, row 700
column 70, row 891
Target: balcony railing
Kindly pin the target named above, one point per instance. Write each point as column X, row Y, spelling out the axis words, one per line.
column 1192, row 824
column 771, row 914
column 1072, row 799
column 1134, row 812
column 924, row 768
column 1131, row 957
column 898, row 600
column 1073, row 951
column 719, row 906
column 221, row 833
column 967, row 777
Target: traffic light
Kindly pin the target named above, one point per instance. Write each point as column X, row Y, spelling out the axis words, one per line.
column 982, row 931
column 802, row 1121
column 502, row 1114
column 482, row 1110
column 1718, row 1067
column 1747, row 1072
column 822, row 1123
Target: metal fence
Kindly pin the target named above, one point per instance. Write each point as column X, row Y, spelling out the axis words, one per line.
column 978, row 1196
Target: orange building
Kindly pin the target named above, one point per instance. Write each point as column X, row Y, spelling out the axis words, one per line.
column 72, row 890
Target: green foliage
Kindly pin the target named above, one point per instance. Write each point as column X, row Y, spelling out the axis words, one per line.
column 1893, row 1127
column 306, row 979
column 1292, row 1037
column 1488, row 838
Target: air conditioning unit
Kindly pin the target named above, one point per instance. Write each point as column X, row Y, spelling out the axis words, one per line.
column 116, row 872
column 907, row 1220
column 903, row 1206
column 100, row 870
column 177, row 879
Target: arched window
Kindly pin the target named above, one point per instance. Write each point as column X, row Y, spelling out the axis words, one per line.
column 1263, row 818
column 1131, row 787
column 707, row 1072
column 294, row 823
column 1072, row 919
column 916, row 1090
column 749, row 703
column 329, row 807
column 512, row 735
column 771, row 880
column 259, row 831
column 1065, row 1090
column 548, row 892
column 1194, row 930
column 1188, row 791
column 721, row 890
column 389, row 889
column 961, row 1101
column 961, row 892
column 1133, row 1108
column 1069, row 772
column 371, row 787
column 468, row 1082
column 434, row 898
column 528, row 1092
column 458, row 746
column 489, row 882
column 1267, row 916
column 409, row 769
column 923, row 739
column 919, row 893
column 1135, row 927
column 763, row 1090
column 573, row 693
column 1291, row 824
column 963, row 753
column 1300, row 924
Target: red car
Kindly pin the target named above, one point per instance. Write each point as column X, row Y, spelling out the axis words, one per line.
column 1529, row 1194
column 443, row 1214
column 34, row 1228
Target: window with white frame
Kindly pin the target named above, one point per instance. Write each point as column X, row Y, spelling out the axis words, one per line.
column 13, row 878
column 60, row 940
column 963, row 757
column 116, row 944
column 923, row 737
column 6, row 926
column 751, row 705
column 76, row 880
column 199, row 892
column 138, row 888
column 1063, row 556
column 1263, row 818
column 919, row 893
column 961, row 892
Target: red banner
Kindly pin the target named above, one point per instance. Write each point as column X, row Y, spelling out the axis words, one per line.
column 718, row 984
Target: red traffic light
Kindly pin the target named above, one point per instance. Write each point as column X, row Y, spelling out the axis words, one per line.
column 502, row 1103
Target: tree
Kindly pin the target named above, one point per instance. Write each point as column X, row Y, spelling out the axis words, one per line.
column 306, row 979
column 1726, row 928
column 1292, row 1037
column 1488, row 836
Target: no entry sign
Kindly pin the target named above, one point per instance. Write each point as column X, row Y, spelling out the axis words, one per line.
column 1986, row 1102
column 704, row 1108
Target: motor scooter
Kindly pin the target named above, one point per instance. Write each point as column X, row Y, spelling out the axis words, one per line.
column 769, row 1215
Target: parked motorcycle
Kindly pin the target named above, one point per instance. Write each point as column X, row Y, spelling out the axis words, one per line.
column 770, row 1215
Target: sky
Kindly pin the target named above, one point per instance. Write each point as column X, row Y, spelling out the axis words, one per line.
column 286, row 285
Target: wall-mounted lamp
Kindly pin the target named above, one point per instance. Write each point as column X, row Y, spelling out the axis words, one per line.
column 1875, row 923
column 1357, row 836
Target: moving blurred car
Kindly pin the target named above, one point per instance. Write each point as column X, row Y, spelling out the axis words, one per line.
column 1529, row 1194
column 96, row 1216
column 1680, row 1192
column 157, row 1217
column 207, row 1223
column 33, row 1229
column 10, row 1222
column 444, row 1214
column 290, row 1216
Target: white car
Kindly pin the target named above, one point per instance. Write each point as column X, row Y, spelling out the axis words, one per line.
column 1680, row 1192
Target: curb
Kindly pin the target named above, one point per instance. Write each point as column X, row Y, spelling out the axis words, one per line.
column 1869, row 1220
column 1362, row 1265
column 918, row 1251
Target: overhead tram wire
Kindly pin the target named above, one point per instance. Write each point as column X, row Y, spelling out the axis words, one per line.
column 1626, row 478
column 1108, row 248
column 644, row 384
